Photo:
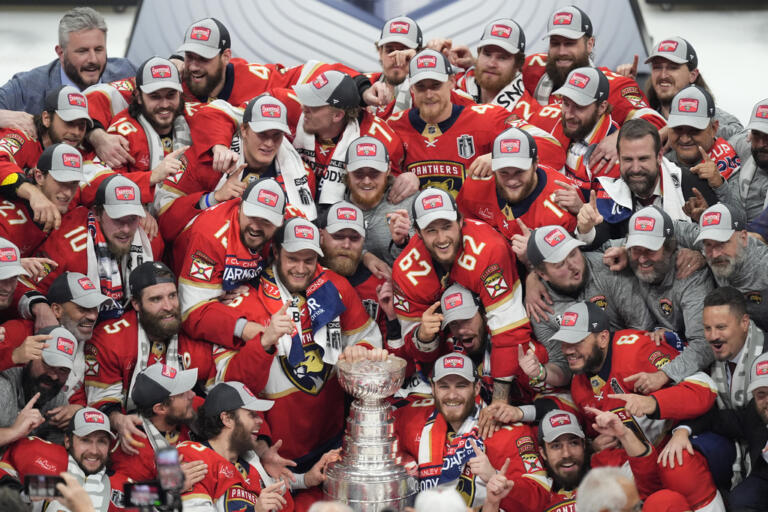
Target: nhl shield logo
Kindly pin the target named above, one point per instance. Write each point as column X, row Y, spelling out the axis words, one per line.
column 466, row 146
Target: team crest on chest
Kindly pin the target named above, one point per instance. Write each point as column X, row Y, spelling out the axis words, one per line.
column 309, row 375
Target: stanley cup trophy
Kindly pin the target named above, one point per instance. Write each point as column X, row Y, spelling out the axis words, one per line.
column 367, row 478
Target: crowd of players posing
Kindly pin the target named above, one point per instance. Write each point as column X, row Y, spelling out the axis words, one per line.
column 574, row 270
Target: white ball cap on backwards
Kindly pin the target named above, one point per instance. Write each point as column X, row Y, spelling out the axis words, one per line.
column 429, row 64
column 265, row 199
column 504, row 33
column 300, row 234
column 432, row 204
column 454, row 363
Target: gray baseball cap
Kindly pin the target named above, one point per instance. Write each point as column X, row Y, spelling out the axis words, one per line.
column 432, row 204
column 332, row 88
column 265, row 199
column 230, row 396
column 401, row 30
column 69, row 103
column 429, row 64
column 677, row 50
column 692, row 106
column 10, row 260
column 558, row 422
column 759, row 119
column 579, row 320
column 157, row 382
column 504, row 33
column 649, row 228
column 61, row 349
column 758, row 374
column 570, row 22
column 513, row 148
column 585, row 86
column 551, row 244
column 78, row 288
column 63, row 162
column 367, row 152
column 157, row 73
column 207, row 37
column 719, row 222
column 266, row 112
column 120, row 197
column 454, row 363
column 300, row 234
column 89, row 420
column 344, row 215
column 457, row 303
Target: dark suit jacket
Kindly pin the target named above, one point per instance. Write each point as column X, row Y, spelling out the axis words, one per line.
column 26, row 90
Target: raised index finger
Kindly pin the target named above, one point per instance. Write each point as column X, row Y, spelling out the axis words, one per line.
column 476, row 448
column 505, row 467
column 176, row 153
column 704, row 155
column 31, row 403
column 634, row 377
column 565, row 184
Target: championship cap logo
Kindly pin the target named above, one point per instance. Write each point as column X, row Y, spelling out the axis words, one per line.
column 65, row 345
column 320, row 81
column 688, row 105
column 431, row 202
column 71, row 160
column 644, row 223
column 710, row 219
column 569, row 319
column 562, row 18
column 346, row 214
column 86, row 284
column 7, row 255
column 125, row 193
column 501, row 31
column 579, row 80
column 167, row 371
column 558, row 420
column 270, row 110
column 77, row 100
column 267, row 197
column 554, row 237
column 160, row 71
column 509, row 146
column 667, row 46
column 454, row 300
column 399, row 27
column 200, row 33
column 426, row 61
column 366, row 149
column 762, row 112
column 304, row 232
column 93, row 417
column 453, row 362
column 761, row 368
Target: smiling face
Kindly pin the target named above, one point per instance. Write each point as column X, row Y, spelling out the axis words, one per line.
column 433, row 99
column 669, row 78
column 495, row 67
column 159, row 311
column 577, row 120
column 7, row 287
column 516, row 184
column 245, row 431
column 205, row 77
column 255, row 231
column 68, row 132
column 84, row 58
column 161, row 108
column 260, row 148
column 296, row 269
column 685, row 141
column 587, row 356
column 60, row 193
column 91, row 452
column 442, row 238
column 76, row 319
column 565, row 460
column 366, row 187
column 639, row 164
column 471, row 334
column 651, row 266
column 455, row 398
column 725, row 331
column 119, row 232
column 724, row 257
column 565, row 55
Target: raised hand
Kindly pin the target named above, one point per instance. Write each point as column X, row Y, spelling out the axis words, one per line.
column 588, row 216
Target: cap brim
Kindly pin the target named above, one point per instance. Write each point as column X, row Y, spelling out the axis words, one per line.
column 429, row 75
column 90, row 429
column 252, row 210
column 563, row 251
column 718, row 235
column 652, row 243
column 72, row 114
column 297, row 245
column 263, row 126
column 460, row 313
column 7, row 271
column 116, row 211
column 570, row 34
column 570, row 336
column 150, row 88
column 579, row 98
column 66, row 176
column 757, row 382
column 561, row 431
column 427, row 219
column 501, row 44
column 258, row 405
column 373, row 164
column 444, row 372
column 397, row 39
column 515, row 161
column 57, row 361
column 335, row 227
column 204, row 51
column 666, row 56
column 308, row 97
column 91, row 300
column 696, row 122
column 185, row 380
column 760, row 126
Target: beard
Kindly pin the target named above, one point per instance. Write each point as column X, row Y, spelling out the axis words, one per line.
column 154, row 326
column 724, row 266
column 761, row 157
column 74, row 74
column 492, row 82
column 657, row 272
column 88, row 471
column 566, row 482
column 241, row 440
column 366, row 202
column 47, row 387
column 116, row 250
column 178, row 419
column 342, row 261
column 559, row 76
column 161, row 128
column 466, row 411
column 203, row 89
column 642, row 188
column 583, row 130
column 73, row 327
column 595, row 360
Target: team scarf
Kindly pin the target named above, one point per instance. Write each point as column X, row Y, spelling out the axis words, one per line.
column 507, row 96
column 579, row 151
column 104, row 269
column 97, row 486
column 144, row 350
column 442, row 460
column 156, row 149
column 241, row 265
column 330, row 180
column 323, row 304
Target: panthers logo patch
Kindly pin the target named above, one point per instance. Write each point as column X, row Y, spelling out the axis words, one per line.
column 309, row 375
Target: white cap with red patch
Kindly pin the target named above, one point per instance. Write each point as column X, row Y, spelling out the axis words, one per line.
column 344, row 215
column 10, row 260
column 454, row 363
column 758, row 374
column 719, row 222
column 556, row 423
column 301, row 234
column 89, row 420
column 432, row 204
column 759, row 119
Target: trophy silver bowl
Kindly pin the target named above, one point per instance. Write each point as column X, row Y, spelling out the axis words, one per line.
column 367, row 477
